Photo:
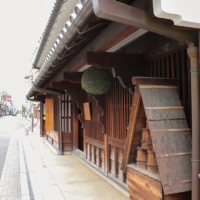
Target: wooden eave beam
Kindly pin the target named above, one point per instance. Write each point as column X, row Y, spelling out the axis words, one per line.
column 36, row 100
column 56, row 90
column 154, row 81
column 66, row 85
column 37, row 89
column 114, row 60
column 41, row 97
column 109, row 37
column 73, row 77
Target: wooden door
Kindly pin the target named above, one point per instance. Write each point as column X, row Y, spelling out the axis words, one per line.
column 49, row 114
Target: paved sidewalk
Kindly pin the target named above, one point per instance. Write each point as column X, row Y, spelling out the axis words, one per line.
column 45, row 175
column 10, row 180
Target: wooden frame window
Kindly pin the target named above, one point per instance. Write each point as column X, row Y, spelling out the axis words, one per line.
column 66, row 114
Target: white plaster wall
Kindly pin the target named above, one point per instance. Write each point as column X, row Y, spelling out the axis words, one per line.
column 181, row 12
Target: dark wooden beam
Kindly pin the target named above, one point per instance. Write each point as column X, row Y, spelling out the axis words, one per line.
column 66, row 85
column 41, row 97
column 154, row 81
column 41, row 120
column 73, row 77
column 115, row 60
column 112, row 35
column 56, row 90
column 125, row 75
column 47, row 91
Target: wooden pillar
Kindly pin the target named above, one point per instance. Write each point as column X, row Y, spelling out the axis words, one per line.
column 60, row 125
column 195, row 93
column 84, row 144
column 75, row 125
column 32, row 122
column 41, row 120
column 106, row 153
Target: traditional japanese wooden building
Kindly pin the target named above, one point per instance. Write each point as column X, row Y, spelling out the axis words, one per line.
column 144, row 132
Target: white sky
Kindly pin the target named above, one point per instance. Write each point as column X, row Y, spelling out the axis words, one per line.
column 22, row 23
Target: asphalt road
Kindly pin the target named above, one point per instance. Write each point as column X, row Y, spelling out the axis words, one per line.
column 9, row 124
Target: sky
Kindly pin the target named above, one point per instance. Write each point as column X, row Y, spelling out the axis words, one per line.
column 22, row 23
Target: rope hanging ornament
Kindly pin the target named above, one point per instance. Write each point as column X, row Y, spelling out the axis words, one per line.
column 96, row 81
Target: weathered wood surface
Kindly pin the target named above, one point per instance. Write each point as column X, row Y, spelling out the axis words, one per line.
column 141, row 158
column 145, row 185
column 94, row 142
column 152, row 165
column 116, row 142
column 49, row 105
column 109, row 60
column 154, row 81
column 87, row 113
column 53, row 135
column 174, row 170
column 131, row 128
column 141, row 122
column 142, row 186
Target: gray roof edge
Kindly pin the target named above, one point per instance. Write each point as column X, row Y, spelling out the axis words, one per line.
column 48, row 28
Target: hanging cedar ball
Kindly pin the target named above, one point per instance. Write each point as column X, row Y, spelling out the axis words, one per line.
column 96, row 81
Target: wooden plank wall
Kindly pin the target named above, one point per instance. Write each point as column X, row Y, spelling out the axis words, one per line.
column 175, row 64
column 93, row 129
column 118, row 105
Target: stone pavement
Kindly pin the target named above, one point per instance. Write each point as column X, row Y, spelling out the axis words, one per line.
column 10, row 180
column 33, row 171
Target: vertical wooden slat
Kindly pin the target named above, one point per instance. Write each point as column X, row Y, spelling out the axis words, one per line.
column 163, row 67
column 172, row 65
column 167, row 60
column 99, row 157
column 178, row 72
column 131, row 128
column 75, row 125
column 189, row 93
column 89, row 152
column 158, row 67
column 41, row 120
column 94, row 154
column 84, row 144
column 183, row 80
column 106, row 153
column 151, row 70
column 154, row 66
column 116, row 162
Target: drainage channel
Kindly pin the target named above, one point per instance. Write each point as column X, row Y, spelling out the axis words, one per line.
column 28, row 176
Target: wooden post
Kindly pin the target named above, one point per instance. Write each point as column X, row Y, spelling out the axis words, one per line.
column 116, row 162
column 106, row 154
column 32, row 121
column 75, row 125
column 41, row 120
column 84, row 145
column 60, row 125
column 195, row 93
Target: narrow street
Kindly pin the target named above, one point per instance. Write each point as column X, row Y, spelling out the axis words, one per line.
column 30, row 169
column 9, row 156
column 8, row 125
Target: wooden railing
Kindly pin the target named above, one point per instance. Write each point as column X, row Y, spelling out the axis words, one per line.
column 52, row 138
column 95, row 152
column 109, row 162
column 116, row 150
